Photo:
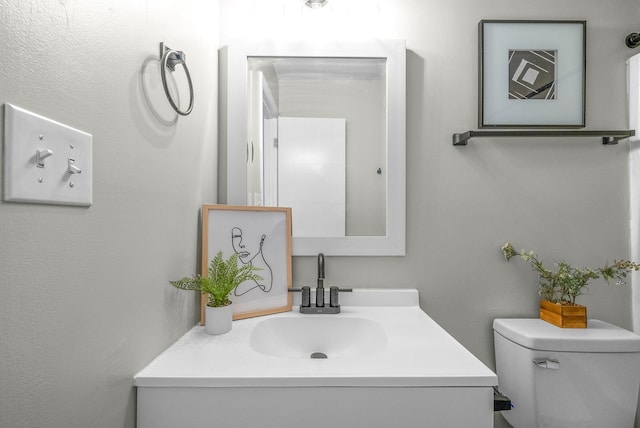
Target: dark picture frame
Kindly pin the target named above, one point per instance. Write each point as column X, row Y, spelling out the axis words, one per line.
column 532, row 74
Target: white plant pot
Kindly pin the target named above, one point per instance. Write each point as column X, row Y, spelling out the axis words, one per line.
column 218, row 320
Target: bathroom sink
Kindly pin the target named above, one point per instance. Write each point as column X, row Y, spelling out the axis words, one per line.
column 318, row 337
column 382, row 348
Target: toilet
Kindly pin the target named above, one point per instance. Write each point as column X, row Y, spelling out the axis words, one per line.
column 567, row 377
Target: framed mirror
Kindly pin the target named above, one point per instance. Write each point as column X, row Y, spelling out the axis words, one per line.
column 318, row 127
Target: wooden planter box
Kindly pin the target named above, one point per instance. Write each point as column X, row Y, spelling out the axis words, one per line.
column 563, row 315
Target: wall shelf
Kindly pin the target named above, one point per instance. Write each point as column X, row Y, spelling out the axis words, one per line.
column 608, row 137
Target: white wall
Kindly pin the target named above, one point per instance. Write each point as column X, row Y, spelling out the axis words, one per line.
column 563, row 198
column 85, row 301
column 84, row 295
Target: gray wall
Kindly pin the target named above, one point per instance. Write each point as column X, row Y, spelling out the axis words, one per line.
column 85, row 301
column 564, row 198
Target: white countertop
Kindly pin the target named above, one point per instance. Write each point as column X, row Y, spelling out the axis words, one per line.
column 419, row 353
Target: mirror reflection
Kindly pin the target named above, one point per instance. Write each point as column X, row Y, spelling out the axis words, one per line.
column 317, row 142
column 319, row 127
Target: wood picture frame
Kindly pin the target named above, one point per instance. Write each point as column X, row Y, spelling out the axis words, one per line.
column 260, row 236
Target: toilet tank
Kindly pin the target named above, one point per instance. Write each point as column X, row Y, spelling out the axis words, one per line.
column 566, row 378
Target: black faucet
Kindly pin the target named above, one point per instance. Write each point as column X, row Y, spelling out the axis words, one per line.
column 306, row 307
column 320, row 287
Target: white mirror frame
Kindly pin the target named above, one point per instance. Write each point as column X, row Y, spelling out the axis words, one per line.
column 233, row 71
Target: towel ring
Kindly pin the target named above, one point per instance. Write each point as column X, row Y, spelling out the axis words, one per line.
column 169, row 59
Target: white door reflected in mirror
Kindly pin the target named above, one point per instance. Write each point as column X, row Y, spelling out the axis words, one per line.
column 311, row 174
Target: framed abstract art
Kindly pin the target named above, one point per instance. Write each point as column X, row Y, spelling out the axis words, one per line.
column 532, row 74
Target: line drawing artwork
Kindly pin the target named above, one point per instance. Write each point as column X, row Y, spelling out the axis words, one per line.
column 259, row 237
column 252, row 255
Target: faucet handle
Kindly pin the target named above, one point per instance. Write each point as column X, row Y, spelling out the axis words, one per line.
column 306, row 296
column 333, row 297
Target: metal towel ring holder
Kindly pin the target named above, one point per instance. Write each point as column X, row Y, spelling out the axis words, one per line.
column 169, row 59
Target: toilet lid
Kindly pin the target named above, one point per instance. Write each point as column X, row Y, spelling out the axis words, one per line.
column 537, row 334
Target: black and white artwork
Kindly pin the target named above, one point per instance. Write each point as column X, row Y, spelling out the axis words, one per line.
column 261, row 237
column 532, row 74
column 250, row 251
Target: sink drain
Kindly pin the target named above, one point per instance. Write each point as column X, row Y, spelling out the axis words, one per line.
column 318, row 355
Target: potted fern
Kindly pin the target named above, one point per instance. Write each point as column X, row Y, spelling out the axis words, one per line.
column 223, row 277
column 559, row 288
